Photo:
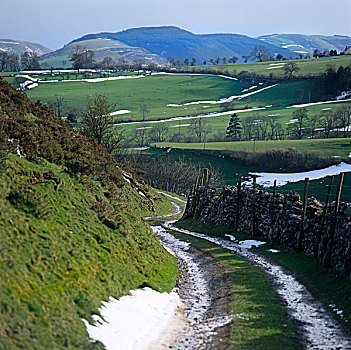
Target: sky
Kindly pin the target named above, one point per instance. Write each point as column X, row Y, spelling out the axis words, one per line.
column 54, row 23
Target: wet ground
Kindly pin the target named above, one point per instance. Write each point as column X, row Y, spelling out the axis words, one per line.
column 318, row 329
column 204, row 290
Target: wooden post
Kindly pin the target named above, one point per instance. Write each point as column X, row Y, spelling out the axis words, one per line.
column 305, row 193
column 237, row 204
column 273, row 211
column 335, row 220
column 338, row 193
column 253, row 204
column 275, row 188
column 325, row 209
column 205, row 183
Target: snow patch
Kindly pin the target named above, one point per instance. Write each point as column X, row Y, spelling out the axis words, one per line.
column 121, row 111
column 231, row 237
column 180, row 125
column 133, row 321
column 248, row 244
column 274, row 251
column 267, row 179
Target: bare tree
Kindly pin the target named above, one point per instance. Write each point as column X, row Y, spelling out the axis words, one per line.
column 261, row 53
column 343, row 114
column 98, row 123
column 200, row 128
column 143, row 109
column 58, row 106
column 289, row 69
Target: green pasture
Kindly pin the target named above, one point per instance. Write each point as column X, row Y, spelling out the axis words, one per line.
column 312, row 66
column 155, row 92
column 339, row 147
column 220, row 123
column 158, row 91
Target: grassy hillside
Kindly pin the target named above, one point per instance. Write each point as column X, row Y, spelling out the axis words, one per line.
column 166, row 96
column 312, row 66
column 71, row 230
column 338, row 147
column 102, row 48
column 19, row 47
column 179, row 43
column 299, row 43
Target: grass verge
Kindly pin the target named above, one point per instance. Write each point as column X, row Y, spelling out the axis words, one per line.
column 260, row 321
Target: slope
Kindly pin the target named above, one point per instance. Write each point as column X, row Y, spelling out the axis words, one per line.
column 299, row 43
column 103, row 47
column 181, row 44
column 71, row 230
column 19, row 47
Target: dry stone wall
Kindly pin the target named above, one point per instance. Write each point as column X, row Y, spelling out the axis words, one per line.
column 326, row 234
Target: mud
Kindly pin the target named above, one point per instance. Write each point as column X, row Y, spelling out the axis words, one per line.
column 318, row 329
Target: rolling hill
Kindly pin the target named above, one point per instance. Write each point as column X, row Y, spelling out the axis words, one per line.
column 18, row 46
column 180, row 44
column 299, row 43
column 103, row 47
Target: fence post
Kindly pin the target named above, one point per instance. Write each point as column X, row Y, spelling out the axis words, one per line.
column 305, row 193
column 204, row 194
column 273, row 210
column 325, row 209
column 335, row 221
column 275, row 188
column 338, row 193
column 253, row 204
column 237, row 204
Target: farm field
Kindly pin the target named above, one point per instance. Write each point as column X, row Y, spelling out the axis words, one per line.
column 219, row 122
column 167, row 96
column 312, row 66
column 339, row 147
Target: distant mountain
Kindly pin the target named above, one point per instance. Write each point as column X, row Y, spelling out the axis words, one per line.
column 299, row 43
column 156, row 44
column 102, row 47
column 181, row 44
column 19, row 47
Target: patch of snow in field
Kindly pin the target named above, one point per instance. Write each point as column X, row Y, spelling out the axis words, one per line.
column 93, row 80
column 326, row 109
column 267, row 179
column 25, row 76
column 122, row 111
column 228, row 99
column 144, row 127
column 210, row 115
column 277, row 64
column 195, row 74
column 141, row 148
column 176, row 126
column 292, row 121
column 273, row 115
column 248, row 244
column 133, row 321
column 317, row 103
column 305, row 52
column 231, row 237
column 274, row 251
column 275, row 67
column 349, row 155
